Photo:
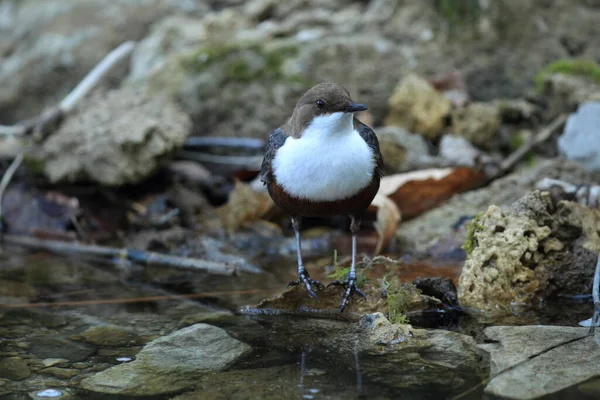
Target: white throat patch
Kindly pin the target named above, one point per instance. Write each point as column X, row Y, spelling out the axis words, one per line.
column 329, row 162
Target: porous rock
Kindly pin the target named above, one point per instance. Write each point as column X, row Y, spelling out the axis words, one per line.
column 117, row 138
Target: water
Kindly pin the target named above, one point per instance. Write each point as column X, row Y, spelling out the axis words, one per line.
column 48, row 301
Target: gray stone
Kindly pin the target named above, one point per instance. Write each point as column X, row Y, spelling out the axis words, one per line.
column 53, row 346
column 403, row 151
column 580, row 140
column 536, row 368
column 171, row 363
column 108, row 335
column 477, row 122
column 14, row 368
column 116, row 138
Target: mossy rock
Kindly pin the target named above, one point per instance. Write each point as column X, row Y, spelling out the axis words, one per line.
column 576, row 67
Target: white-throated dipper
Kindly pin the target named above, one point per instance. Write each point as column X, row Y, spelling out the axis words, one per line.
column 323, row 161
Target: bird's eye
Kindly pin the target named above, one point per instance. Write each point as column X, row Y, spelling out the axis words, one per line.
column 320, row 104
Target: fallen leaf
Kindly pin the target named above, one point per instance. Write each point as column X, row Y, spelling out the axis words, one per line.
column 388, row 219
column 419, row 191
column 244, row 205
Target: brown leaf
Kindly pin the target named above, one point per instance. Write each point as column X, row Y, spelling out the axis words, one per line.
column 245, row 205
column 419, row 191
column 388, row 219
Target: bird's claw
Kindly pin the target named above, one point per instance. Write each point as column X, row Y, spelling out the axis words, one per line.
column 350, row 289
column 308, row 283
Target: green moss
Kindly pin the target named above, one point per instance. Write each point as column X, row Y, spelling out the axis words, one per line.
column 399, row 298
column 34, row 165
column 236, row 66
column 340, row 274
column 239, row 70
column 577, row 67
column 458, row 12
column 472, row 229
column 517, row 140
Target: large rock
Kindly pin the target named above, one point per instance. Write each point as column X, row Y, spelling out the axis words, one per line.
column 580, row 140
column 539, row 360
column 14, row 368
column 171, row 363
column 417, row 106
column 526, row 253
column 477, row 122
column 404, row 151
column 117, row 138
column 48, row 47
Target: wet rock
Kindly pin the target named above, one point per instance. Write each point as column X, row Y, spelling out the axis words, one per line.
column 274, row 384
column 477, row 122
column 418, row 107
column 54, row 346
column 14, row 368
column 170, row 363
column 205, row 317
column 52, row 45
column 536, row 368
column 117, row 138
column 442, row 289
column 437, row 232
column 106, row 335
column 403, row 151
column 50, row 362
column 61, row 373
column 580, row 140
column 533, row 250
column 438, row 359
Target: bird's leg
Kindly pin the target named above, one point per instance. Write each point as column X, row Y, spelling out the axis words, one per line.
column 596, row 297
column 350, row 284
column 303, row 277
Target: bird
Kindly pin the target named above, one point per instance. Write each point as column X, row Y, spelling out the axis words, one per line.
column 323, row 162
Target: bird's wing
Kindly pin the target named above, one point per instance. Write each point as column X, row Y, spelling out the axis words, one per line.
column 369, row 136
column 276, row 140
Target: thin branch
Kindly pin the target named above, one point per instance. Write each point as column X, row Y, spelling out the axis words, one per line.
column 513, row 159
column 7, row 177
column 67, row 105
column 212, row 141
column 139, row 256
column 596, row 297
column 248, row 162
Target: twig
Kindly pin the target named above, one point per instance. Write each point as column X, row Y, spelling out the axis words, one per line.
column 212, row 141
column 68, row 104
column 6, row 178
column 522, row 151
column 139, row 256
column 248, row 162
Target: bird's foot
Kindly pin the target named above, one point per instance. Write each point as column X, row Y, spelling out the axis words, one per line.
column 308, row 283
column 350, row 289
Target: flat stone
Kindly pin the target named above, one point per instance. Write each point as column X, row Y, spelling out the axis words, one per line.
column 549, row 372
column 14, row 368
column 109, row 335
column 171, row 363
column 52, row 346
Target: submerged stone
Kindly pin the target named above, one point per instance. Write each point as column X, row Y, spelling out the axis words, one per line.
column 171, row 363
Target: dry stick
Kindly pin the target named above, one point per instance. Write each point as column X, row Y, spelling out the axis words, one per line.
column 249, row 162
column 139, row 256
column 541, row 137
column 81, row 90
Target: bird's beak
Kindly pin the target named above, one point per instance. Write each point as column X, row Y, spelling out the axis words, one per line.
column 355, row 107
